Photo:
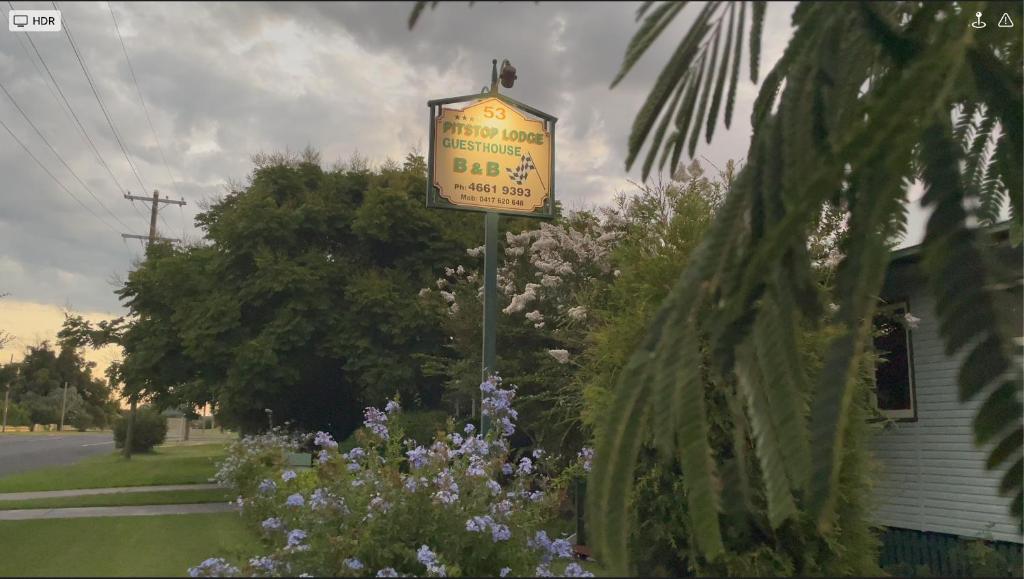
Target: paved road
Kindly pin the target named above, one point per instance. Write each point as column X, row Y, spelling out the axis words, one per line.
column 21, row 452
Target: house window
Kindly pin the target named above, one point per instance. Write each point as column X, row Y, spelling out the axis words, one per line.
column 894, row 373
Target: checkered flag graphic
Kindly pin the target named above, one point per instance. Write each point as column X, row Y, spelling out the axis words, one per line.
column 520, row 173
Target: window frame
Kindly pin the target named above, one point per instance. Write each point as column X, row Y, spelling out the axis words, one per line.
column 900, row 415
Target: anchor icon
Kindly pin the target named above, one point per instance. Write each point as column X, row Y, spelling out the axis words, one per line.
column 979, row 23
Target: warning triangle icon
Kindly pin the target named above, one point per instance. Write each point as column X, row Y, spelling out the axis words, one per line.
column 1005, row 21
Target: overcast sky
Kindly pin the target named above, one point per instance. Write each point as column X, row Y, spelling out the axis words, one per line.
column 223, row 81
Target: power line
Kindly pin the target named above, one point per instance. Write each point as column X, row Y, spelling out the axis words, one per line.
column 138, row 90
column 71, row 109
column 54, row 177
column 59, row 156
column 99, row 99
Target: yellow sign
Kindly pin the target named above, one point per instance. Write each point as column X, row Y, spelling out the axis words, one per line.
column 491, row 156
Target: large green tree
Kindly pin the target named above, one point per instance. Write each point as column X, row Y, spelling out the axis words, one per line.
column 301, row 299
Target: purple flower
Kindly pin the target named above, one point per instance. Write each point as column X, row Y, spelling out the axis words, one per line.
column 506, row 425
column 392, row 406
column 409, row 483
column 295, row 539
column 506, row 469
column 272, row 524
column 265, row 564
column 295, row 500
column 215, row 567
column 534, row 496
column 456, row 438
column 587, row 454
column 354, row 454
column 352, row 466
column 288, row 475
column 324, row 440
column 502, row 507
column 476, row 467
column 417, row 457
column 429, row 559
column 447, row 489
column 500, row 533
column 542, row 570
column 561, row 548
column 473, row 446
column 354, row 564
column 323, row 456
column 319, row 499
column 387, row 572
column 268, row 487
column 493, row 486
column 376, row 421
column 525, row 466
column 479, row 524
column 574, row 570
column 540, row 541
column 538, row 453
column 505, row 571
column 469, row 429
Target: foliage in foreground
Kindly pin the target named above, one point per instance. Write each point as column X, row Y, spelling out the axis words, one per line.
column 462, row 505
column 858, row 107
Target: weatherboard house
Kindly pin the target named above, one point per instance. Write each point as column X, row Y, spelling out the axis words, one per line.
column 933, row 488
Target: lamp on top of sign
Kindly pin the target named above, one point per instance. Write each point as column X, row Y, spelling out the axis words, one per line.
column 493, row 154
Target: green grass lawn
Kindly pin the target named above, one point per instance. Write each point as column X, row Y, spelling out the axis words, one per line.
column 122, row 546
column 123, row 499
column 166, row 465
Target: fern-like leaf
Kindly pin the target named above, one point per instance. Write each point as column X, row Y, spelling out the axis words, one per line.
column 768, row 436
column 756, row 27
column 666, row 83
column 716, row 100
column 648, row 32
column 737, row 56
column 659, row 134
column 705, row 94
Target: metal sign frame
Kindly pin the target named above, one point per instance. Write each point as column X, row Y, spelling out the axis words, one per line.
column 434, row 198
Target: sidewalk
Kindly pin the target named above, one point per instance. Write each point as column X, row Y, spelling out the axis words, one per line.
column 25, row 496
column 139, row 511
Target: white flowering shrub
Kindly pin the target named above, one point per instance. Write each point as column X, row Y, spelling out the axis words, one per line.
column 548, row 278
column 461, row 504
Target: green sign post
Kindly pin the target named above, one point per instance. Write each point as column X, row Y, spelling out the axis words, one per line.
column 495, row 155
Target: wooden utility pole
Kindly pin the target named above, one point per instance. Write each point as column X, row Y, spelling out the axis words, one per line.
column 63, row 407
column 154, row 208
column 7, row 399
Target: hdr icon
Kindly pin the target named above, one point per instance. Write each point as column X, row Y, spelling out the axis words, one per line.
column 34, row 20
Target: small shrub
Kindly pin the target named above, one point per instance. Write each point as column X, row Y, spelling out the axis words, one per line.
column 150, row 429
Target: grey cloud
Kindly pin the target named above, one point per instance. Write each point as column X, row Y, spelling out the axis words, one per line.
column 225, row 80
